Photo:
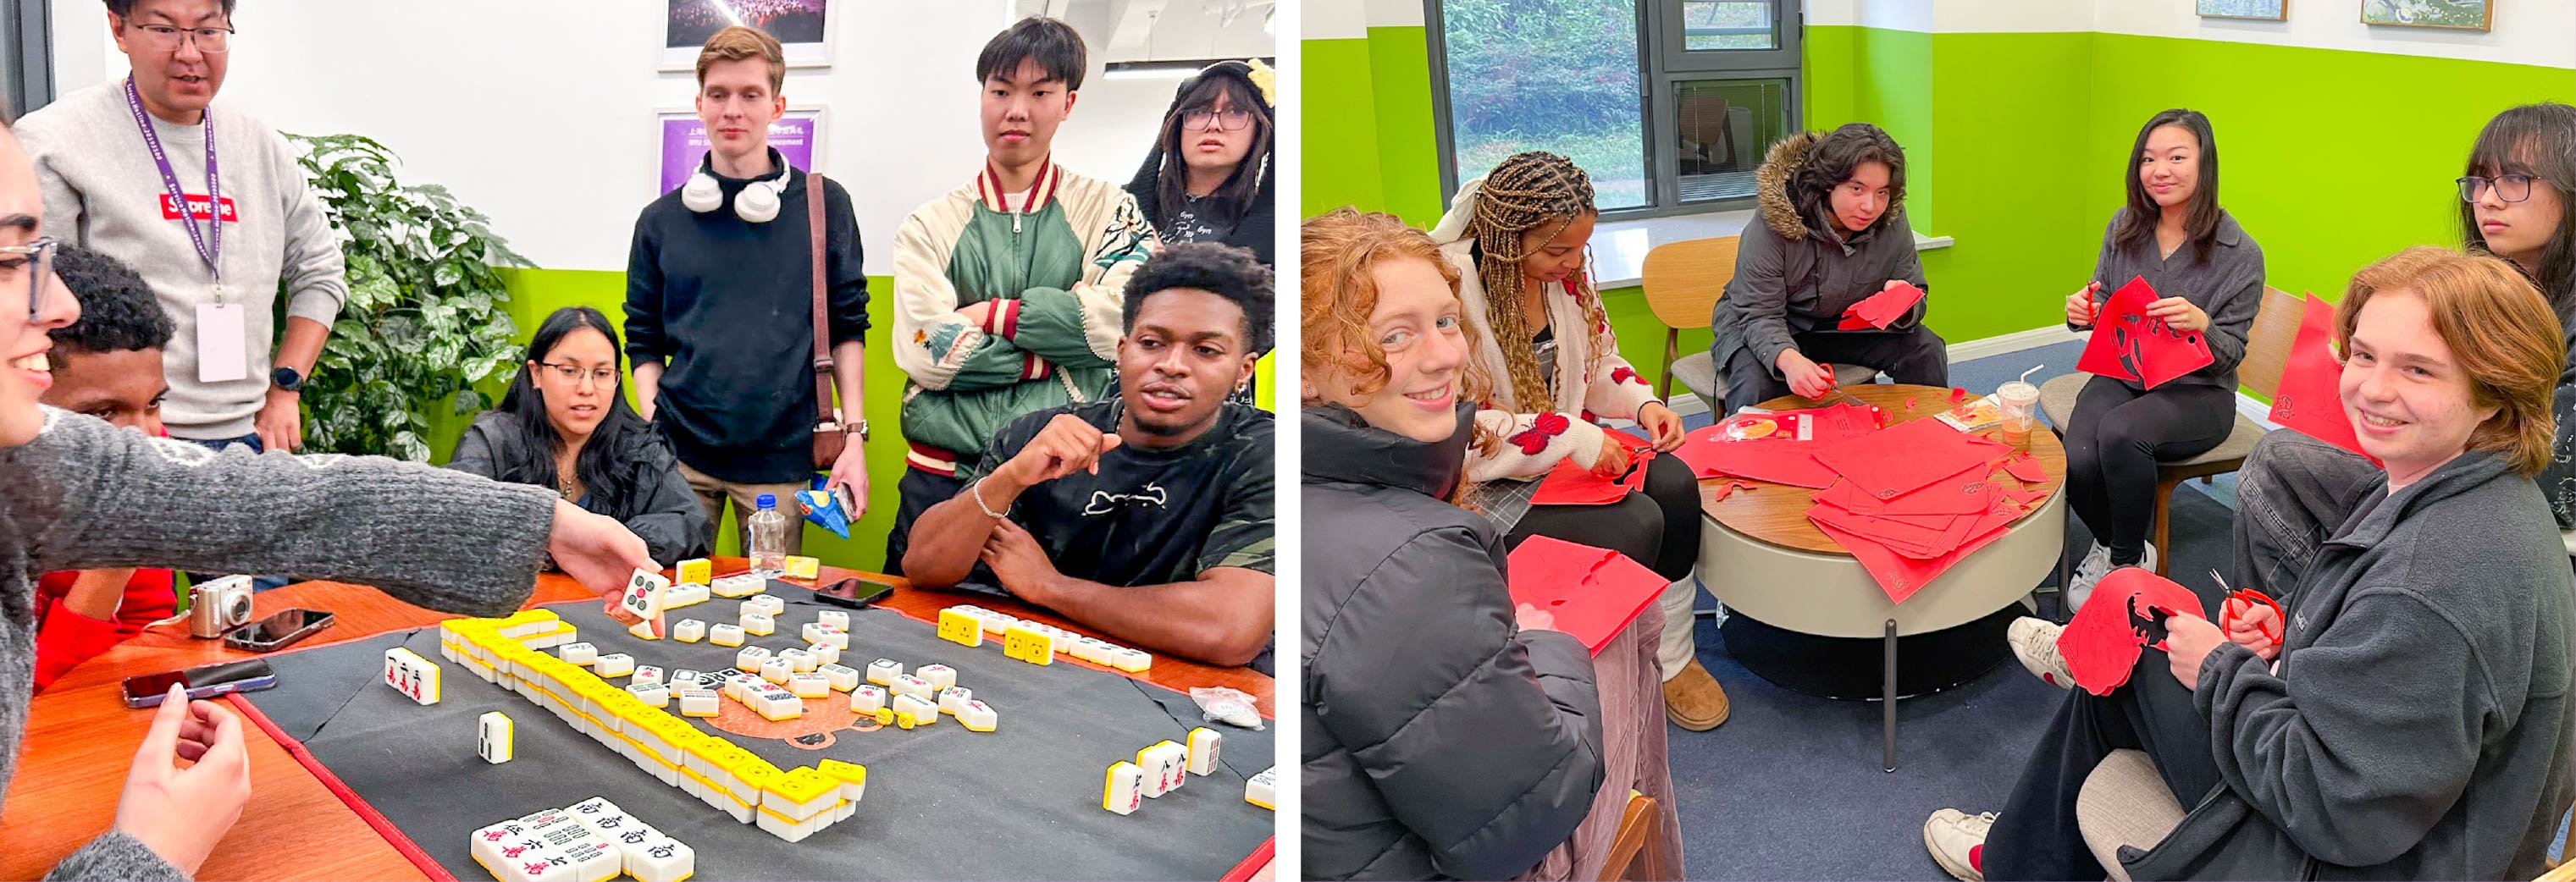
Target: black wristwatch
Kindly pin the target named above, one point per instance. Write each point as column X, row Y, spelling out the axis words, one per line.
column 286, row 378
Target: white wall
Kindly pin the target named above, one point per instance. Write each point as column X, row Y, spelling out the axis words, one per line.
column 2536, row 32
column 554, row 138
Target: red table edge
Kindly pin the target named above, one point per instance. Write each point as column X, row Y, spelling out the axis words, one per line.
column 411, row 851
column 366, row 811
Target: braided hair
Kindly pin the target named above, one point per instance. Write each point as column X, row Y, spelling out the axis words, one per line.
column 1529, row 191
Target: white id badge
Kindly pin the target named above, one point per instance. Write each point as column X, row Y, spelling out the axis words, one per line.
column 223, row 343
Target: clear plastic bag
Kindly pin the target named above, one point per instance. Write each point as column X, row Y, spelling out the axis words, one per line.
column 1229, row 706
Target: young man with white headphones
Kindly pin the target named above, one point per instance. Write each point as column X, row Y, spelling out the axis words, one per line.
column 719, row 299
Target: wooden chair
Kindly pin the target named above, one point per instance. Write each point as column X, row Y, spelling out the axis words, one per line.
column 2267, row 351
column 1637, row 852
column 1683, row 282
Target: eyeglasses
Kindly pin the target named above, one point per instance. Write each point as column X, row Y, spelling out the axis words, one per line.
column 2510, row 188
column 39, row 266
column 1230, row 119
column 165, row 38
column 574, row 374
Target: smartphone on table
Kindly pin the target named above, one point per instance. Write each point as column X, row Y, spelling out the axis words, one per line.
column 852, row 593
column 202, row 682
column 276, row 631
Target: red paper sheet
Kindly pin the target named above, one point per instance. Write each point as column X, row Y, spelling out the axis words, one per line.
column 2310, row 399
column 1883, row 308
column 1957, row 494
column 2026, row 468
column 2129, row 345
column 1570, row 484
column 1592, row 592
column 1907, row 456
column 2101, row 644
column 1901, row 576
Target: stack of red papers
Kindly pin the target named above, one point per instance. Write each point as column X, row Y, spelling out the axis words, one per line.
column 1592, row 592
column 1570, row 484
column 1881, row 309
column 1911, row 501
column 1779, row 458
column 1905, row 457
column 2309, row 399
column 2128, row 344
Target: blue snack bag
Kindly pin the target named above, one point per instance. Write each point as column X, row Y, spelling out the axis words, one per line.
column 824, row 511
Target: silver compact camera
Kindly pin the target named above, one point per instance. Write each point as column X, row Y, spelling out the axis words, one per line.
column 218, row 606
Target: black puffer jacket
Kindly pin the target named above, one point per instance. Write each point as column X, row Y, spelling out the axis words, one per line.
column 647, row 495
column 1439, row 740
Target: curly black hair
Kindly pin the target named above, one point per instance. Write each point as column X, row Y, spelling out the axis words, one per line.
column 1229, row 272
column 118, row 311
column 1833, row 161
column 1049, row 42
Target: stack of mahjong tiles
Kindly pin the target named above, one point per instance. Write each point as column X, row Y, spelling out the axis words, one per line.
column 1035, row 642
column 632, row 722
column 1159, row 769
column 894, row 698
column 591, row 841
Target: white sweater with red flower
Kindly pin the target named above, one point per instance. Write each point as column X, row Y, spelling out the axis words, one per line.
column 1593, row 383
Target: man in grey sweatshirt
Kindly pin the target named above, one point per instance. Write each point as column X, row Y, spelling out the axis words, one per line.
column 116, row 159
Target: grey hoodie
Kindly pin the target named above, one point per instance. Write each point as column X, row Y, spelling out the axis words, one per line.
column 2417, row 727
column 1792, row 277
column 85, row 494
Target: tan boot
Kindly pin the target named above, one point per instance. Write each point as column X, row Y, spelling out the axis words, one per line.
column 1693, row 699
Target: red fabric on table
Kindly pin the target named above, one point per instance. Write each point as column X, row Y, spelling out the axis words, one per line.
column 2310, row 398
column 2101, row 644
column 1592, row 592
column 2127, row 344
column 65, row 638
column 1907, row 456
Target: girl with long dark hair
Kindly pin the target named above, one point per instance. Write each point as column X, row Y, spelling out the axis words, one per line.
column 1209, row 176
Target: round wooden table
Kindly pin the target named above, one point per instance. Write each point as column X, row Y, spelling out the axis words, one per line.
column 1804, row 614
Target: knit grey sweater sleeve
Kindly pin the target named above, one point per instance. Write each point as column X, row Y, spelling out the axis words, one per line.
column 115, row 855
column 89, row 495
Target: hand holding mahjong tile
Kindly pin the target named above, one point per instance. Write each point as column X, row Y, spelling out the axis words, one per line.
column 643, row 598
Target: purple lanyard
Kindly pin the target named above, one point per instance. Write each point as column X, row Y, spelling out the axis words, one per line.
column 210, row 244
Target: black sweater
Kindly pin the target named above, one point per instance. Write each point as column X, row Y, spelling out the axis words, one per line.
column 728, row 305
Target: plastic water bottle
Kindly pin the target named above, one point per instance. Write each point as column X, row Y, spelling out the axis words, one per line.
column 768, row 539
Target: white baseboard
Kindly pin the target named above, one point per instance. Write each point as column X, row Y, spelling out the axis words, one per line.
column 1686, row 404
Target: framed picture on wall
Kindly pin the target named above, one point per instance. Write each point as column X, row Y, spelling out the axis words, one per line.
column 2263, row 10
column 804, row 28
column 798, row 136
column 2465, row 15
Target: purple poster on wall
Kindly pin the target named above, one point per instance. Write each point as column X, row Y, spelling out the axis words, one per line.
column 684, row 143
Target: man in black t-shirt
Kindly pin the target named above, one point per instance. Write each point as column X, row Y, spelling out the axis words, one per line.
column 1147, row 517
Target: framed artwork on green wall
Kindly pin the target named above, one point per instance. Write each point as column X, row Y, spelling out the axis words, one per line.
column 2466, row 15
column 2264, row 10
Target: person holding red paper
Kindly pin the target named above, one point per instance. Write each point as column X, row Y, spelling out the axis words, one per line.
column 2173, row 235
column 2411, row 720
column 1448, row 732
column 1517, row 238
column 2517, row 202
column 1833, row 234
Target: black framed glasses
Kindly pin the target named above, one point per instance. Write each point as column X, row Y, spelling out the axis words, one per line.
column 2510, row 188
column 38, row 264
column 167, row 38
column 1230, row 119
column 573, row 374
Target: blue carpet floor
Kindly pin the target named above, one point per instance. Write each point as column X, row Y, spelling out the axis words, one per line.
column 1791, row 787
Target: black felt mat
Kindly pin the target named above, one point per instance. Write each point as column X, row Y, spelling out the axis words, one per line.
column 1021, row 802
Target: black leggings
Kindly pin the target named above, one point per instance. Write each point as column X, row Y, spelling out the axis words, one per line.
column 1658, row 528
column 2114, row 441
column 2035, row 836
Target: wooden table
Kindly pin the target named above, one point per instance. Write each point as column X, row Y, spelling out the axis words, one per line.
column 81, row 738
column 1786, row 581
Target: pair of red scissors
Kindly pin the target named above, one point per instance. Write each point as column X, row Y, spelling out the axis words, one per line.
column 2250, row 597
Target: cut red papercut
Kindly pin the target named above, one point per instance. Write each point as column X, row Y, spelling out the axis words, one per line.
column 1592, row 592
column 2127, row 344
column 2310, row 400
column 1901, row 458
column 2101, row 644
column 1958, row 395
column 1883, row 308
column 2027, row 468
column 1729, row 487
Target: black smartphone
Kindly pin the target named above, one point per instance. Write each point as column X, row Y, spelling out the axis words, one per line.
column 852, row 593
column 202, row 682
column 278, row 630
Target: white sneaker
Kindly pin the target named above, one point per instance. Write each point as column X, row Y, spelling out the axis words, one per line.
column 2034, row 642
column 1957, row 841
column 2088, row 572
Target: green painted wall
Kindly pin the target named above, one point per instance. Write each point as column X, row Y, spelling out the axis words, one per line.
column 2016, row 146
column 535, row 294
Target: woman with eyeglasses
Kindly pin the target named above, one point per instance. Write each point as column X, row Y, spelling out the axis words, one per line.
column 1518, row 238
column 2516, row 195
column 1208, row 177
column 564, row 425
